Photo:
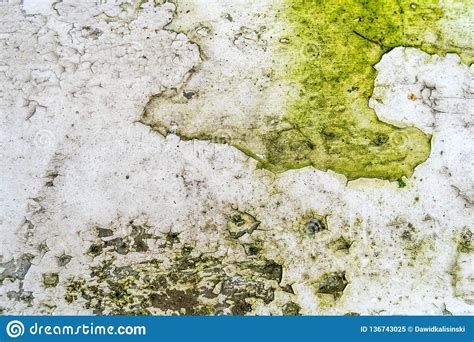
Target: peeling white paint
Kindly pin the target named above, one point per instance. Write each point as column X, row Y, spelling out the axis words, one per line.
column 74, row 83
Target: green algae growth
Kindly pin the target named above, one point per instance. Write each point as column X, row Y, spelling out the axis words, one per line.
column 334, row 46
column 174, row 278
column 323, row 58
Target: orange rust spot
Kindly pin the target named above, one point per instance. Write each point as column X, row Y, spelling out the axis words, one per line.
column 412, row 96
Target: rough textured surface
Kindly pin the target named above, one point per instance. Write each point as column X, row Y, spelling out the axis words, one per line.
column 100, row 214
column 314, row 90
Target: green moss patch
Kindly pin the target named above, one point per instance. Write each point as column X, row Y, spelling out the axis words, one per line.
column 333, row 47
